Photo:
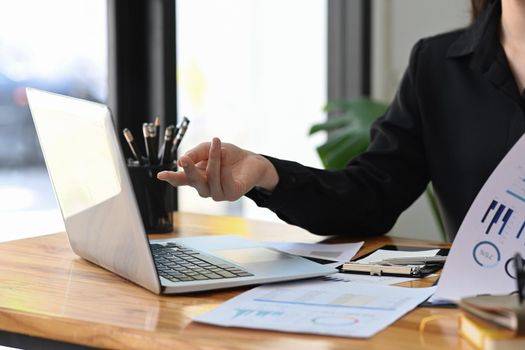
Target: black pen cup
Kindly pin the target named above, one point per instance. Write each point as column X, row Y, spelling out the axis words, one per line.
column 156, row 199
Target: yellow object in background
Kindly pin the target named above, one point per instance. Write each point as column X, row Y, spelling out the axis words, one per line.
column 486, row 337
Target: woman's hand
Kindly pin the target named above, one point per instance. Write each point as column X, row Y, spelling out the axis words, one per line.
column 222, row 171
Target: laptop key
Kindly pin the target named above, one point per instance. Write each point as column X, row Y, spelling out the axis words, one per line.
column 200, row 277
column 244, row 274
column 226, row 274
column 187, row 278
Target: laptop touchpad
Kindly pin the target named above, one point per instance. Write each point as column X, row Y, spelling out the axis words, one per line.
column 251, row 255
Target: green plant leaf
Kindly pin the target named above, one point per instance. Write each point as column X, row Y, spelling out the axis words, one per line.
column 331, row 124
column 349, row 130
column 336, row 152
column 362, row 105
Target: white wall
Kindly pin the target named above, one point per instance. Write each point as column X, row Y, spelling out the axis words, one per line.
column 397, row 25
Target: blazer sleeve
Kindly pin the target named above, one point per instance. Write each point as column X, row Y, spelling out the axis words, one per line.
column 366, row 197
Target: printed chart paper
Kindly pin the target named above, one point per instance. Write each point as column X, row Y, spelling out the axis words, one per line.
column 481, row 258
column 361, row 278
column 338, row 308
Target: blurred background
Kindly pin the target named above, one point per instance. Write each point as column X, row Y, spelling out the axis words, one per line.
column 256, row 73
column 55, row 45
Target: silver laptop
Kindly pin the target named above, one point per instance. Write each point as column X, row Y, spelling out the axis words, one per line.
column 102, row 219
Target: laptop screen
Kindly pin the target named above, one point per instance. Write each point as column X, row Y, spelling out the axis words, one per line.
column 90, row 180
column 79, row 154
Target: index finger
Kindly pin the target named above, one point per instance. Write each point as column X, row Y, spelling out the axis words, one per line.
column 174, row 178
column 199, row 153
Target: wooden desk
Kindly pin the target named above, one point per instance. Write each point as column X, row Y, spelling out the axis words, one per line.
column 47, row 291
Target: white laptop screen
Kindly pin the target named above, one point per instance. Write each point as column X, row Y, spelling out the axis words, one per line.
column 90, row 180
column 78, row 152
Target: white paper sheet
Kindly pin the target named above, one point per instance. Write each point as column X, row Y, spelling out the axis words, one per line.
column 341, row 252
column 342, row 309
column 354, row 277
column 480, row 261
column 382, row 254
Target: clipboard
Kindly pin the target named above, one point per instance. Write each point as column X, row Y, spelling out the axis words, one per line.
column 418, row 271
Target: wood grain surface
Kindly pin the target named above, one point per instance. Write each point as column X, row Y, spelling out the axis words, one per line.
column 48, row 291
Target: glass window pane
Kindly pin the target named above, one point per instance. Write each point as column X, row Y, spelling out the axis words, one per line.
column 55, row 45
column 252, row 73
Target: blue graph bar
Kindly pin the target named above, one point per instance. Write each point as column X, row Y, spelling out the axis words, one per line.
column 515, row 195
column 491, row 207
column 505, row 220
column 496, row 217
column 521, row 230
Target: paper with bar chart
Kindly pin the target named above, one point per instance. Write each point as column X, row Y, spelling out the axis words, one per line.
column 480, row 261
column 343, row 309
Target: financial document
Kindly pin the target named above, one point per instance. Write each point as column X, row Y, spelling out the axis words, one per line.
column 362, row 278
column 481, row 258
column 341, row 309
column 340, row 252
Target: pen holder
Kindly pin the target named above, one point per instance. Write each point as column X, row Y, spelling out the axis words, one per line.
column 155, row 198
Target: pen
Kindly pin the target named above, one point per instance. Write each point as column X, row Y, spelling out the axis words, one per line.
column 133, row 145
column 157, row 138
column 157, row 125
column 380, row 270
column 145, row 132
column 165, row 154
column 520, row 276
column 416, row 260
column 152, row 144
column 180, row 134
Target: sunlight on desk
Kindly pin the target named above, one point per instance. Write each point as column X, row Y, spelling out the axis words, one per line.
column 27, row 204
column 29, row 223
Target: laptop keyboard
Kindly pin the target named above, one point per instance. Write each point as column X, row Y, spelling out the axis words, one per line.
column 177, row 263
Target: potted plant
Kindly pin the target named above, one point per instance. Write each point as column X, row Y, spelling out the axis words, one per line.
column 348, row 131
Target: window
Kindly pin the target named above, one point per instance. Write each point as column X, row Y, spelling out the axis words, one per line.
column 254, row 74
column 55, row 45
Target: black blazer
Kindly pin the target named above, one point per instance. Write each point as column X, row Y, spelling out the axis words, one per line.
column 456, row 114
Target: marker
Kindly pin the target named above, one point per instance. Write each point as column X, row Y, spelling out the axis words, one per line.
column 133, row 145
column 165, row 155
column 183, row 126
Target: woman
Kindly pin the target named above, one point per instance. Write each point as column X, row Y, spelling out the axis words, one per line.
column 458, row 110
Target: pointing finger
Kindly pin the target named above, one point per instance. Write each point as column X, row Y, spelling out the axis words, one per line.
column 173, row 178
column 195, row 178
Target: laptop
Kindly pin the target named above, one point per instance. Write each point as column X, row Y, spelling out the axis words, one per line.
column 103, row 223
